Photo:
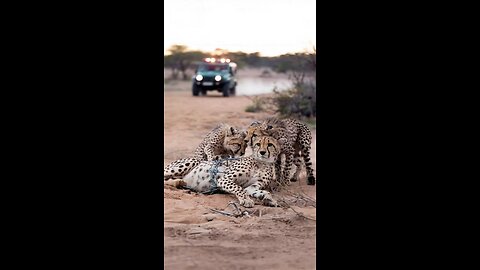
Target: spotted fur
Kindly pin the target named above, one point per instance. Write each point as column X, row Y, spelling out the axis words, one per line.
column 246, row 177
column 223, row 141
column 179, row 168
column 297, row 147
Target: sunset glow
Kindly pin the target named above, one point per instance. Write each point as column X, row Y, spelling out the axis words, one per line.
column 271, row 27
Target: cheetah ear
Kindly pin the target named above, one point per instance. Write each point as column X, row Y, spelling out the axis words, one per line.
column 255, row 123
column 268, row 132
column 232, row 130
column 282, row 141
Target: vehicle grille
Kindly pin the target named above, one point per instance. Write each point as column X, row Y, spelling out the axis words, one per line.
column 208, row 78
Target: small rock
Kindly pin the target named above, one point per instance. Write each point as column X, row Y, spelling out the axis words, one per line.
column 210, row 217
column 197, row 231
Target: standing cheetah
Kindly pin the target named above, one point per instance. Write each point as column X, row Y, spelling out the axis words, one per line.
column 302, row 145
column 299, row 139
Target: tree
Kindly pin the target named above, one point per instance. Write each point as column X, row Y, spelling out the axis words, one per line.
column 181, row 59
column 187, row 59
column 170, row 62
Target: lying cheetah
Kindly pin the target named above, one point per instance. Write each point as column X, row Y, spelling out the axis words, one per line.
column 299, row 142
column 247, row 176
column 223, row 141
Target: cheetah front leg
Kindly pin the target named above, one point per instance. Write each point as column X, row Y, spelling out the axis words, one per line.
column 256, row 190
column 227, row 183
column 287, row 168
column 278, row 169
column 298, row 163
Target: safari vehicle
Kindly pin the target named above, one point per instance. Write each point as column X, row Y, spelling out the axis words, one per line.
column 215, row 74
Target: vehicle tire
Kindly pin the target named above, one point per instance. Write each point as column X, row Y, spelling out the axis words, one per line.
column 195, row 90
column 203, row 92
column 226, row 90
column 232, row 91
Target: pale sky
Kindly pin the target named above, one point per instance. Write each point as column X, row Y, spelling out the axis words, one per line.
column 271, row 27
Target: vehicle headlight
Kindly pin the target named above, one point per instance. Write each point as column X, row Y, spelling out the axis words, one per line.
column 218, row 78
column 199, row 77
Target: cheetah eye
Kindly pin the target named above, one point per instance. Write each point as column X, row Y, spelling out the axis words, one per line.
column 257, row 144
column 270, row 144
column 254, row 135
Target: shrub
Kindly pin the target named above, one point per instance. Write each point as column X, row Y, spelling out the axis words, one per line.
column 298, row 101
column 256, row 106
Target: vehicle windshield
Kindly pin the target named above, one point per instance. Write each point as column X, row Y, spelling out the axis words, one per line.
column 212, row 67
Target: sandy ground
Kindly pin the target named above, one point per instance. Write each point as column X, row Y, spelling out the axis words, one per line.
column 195, row 237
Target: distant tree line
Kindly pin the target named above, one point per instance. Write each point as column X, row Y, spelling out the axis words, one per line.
column 180, row 59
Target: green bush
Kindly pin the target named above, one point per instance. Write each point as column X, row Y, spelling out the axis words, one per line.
column 298, row 101
column 256, row 106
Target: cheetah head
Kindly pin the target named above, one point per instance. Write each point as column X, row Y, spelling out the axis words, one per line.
column 235, row 143
column 266, row 149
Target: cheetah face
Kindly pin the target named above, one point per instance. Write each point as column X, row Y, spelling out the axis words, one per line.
column 266, row 149
column 236, row 144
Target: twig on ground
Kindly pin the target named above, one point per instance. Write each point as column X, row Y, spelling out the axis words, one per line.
column 302, row 196
column 239, row 212
column 298, row 213
column 222, row 212
column 237, row 208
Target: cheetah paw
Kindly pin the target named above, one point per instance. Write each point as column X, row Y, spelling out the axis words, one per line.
column 247, row 202
column 269, row 201
column 272, row 203
column 266, row 196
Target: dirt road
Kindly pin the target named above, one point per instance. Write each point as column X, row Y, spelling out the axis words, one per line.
column 197, row 238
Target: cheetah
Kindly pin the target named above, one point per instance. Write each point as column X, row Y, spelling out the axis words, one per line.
column 223, row 141
column 220, row 142
column 299, row 139
column 302, row 146
column 245, row 177
column 275, row 128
